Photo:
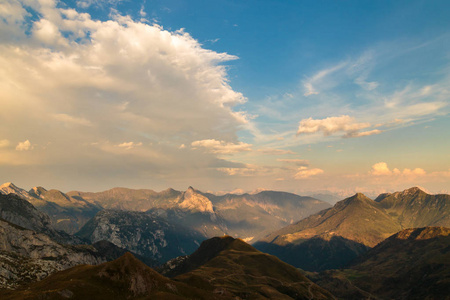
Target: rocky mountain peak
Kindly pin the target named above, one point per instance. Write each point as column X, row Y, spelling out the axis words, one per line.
column 11, row 188
column 194, row 201
column 358, row 198
column 412, row 191
column 37, row 191
column 8, row 185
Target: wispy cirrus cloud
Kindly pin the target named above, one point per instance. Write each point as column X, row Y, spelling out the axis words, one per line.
column 318, row 78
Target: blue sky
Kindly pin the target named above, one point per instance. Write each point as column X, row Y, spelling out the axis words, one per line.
column 302, row 96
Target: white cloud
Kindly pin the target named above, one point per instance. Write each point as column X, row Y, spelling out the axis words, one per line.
column 113, row 81
column 88, row 3
column 129, row 145
column 305, row 172
column 382, row 169
column 333, row 125
column 24, row 146
column 221, row 147
column 47, row 32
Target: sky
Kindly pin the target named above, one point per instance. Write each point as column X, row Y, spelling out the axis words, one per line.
column 299, row 96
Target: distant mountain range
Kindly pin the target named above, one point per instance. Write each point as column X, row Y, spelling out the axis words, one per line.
column 247, row 216
column 67, row 213
column 335, row 236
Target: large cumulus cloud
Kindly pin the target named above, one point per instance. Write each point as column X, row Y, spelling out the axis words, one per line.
column 76, row 88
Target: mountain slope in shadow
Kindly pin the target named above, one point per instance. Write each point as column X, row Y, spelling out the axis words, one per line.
column 411, row 264
column 231, row 267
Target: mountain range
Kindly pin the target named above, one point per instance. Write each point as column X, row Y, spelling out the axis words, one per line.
column 334, row 237
column 211, row 215
column 67, row 213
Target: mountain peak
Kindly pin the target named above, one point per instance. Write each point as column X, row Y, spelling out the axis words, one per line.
column 412, row 191
column 11, row 188
column 127, row 259
column 360, row 196
column 8, row 184
column 208, row 250
column 357, row 198
column 194, row 201
column 37, row 191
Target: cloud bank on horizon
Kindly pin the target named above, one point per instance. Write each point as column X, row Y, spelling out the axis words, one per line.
column 92, row 102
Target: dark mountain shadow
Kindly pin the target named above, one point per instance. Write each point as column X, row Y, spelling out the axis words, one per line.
column 411, row 264
column 316, row 254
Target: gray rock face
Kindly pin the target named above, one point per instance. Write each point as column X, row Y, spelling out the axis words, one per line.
column 142, row 233
column 19, row 211
column 26, row 255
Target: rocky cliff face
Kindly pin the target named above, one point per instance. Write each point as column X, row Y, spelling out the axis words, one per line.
column 142, row 233
column 26, row 255
column 18, row 211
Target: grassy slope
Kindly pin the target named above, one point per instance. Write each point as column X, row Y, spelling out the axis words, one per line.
column 236, row 268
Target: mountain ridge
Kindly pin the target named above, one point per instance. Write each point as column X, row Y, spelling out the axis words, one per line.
column 359, row 222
